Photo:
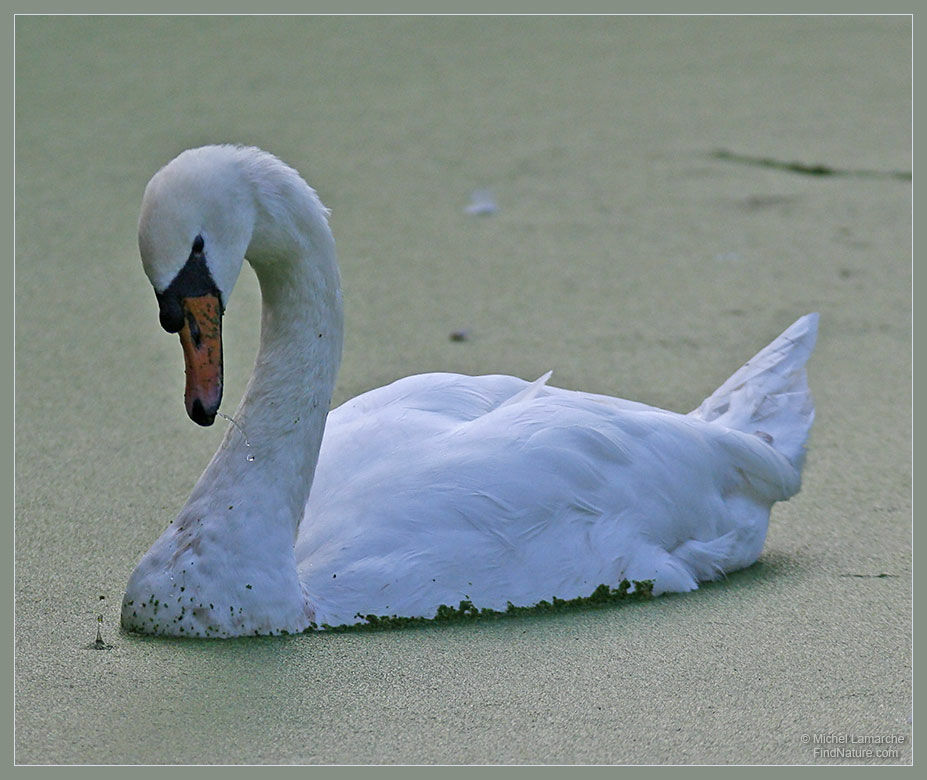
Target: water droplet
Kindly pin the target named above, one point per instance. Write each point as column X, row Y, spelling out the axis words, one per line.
column 249, row 457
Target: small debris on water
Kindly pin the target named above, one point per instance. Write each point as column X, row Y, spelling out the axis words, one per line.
column 460, row 335
column 98, row 643
column 880, row 576
column 482, row 203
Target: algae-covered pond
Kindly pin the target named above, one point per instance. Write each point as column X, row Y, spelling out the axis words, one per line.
column 622, row 252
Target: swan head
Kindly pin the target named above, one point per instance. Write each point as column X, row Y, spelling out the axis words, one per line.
column 201, row 215
column 197, row 219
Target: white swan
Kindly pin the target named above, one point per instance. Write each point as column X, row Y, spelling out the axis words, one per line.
column 438, row 487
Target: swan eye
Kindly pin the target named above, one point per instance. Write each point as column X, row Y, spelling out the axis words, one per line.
column 198, row 245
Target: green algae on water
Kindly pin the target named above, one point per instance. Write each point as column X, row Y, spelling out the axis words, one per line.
column 603, row 595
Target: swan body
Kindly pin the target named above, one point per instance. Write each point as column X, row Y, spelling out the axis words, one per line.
column 438, row 487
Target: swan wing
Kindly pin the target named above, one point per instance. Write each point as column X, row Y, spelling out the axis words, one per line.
column 439, row 488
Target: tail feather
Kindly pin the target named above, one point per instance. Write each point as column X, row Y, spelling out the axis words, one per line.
column 769, row 396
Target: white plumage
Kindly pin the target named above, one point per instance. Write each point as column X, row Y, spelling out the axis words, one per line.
column 438, row 487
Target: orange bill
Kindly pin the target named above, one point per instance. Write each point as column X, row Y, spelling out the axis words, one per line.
column 201, row 339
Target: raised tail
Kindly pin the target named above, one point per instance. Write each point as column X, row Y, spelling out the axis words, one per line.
column 769, row 396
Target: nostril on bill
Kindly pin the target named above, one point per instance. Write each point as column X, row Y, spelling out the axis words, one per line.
column 195, row 335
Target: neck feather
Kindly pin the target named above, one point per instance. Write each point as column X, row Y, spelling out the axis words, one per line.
column 267, row 461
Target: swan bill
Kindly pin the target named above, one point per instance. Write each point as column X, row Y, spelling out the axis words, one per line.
column 201, row 339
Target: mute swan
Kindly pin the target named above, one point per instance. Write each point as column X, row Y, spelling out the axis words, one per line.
column 435, row 488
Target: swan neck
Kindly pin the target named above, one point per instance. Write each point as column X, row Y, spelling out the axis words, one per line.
column 268, row 459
